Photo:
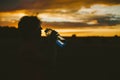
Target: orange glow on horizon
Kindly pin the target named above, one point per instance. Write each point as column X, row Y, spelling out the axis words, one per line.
column 87, row 32
column 11, row 18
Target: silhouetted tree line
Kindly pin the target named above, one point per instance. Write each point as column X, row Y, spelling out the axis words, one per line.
column 12, row 32
column 8, row 32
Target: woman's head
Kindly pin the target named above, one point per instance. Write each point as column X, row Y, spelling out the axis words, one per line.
column 30, row 26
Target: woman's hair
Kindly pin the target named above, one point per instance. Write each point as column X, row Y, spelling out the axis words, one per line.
column 28, row 24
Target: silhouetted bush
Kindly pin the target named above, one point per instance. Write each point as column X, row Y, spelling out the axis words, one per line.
column 8, row 32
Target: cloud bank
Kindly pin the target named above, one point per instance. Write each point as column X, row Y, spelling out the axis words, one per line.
column 8, row 5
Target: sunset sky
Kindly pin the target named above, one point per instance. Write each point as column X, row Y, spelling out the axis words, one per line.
column 80, row 17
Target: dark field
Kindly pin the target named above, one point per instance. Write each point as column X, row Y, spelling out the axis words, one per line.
column 83, row 58
column 95, row 58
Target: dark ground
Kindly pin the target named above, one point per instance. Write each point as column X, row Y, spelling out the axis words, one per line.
column 83, row 58
column 95, row 58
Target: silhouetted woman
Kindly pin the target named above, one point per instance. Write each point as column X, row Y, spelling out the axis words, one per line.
column 33, row 53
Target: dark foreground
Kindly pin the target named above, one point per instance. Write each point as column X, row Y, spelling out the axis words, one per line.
column 85, row 58
column 94, row 58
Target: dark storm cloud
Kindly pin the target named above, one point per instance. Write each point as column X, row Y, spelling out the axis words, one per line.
column 106, row 20
column 7, row 5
